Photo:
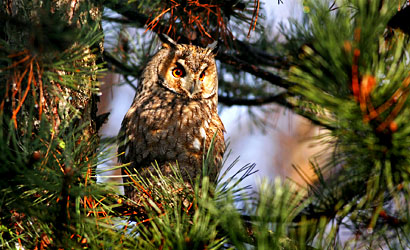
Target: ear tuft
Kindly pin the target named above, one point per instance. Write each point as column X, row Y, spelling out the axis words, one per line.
column 213, row 47
column 167, row 41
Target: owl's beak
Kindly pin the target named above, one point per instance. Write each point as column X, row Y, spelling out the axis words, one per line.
column 195, row 87
column 192, row 88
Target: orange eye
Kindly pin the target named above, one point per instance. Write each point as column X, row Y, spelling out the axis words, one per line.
column 202, row 76
column 178, row 72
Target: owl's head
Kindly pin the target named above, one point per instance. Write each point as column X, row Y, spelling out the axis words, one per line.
column 188, row 70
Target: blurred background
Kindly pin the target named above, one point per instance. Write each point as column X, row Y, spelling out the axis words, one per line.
column 270, row 136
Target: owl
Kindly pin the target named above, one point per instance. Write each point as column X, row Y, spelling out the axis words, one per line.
column 174, row 116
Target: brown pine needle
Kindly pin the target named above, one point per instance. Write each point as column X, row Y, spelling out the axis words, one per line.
column 18, row 54
column 394, row 113
column 139, row 186
column 30, row 78
column 18, row 62
column 254, row 18
column 203, row 31
column 156, row 19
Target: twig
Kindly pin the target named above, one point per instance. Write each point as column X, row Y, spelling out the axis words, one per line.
column 230, row 101
column 115, row 64
column 254, row 70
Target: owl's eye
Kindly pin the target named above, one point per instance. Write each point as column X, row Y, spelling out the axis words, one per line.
column 178, row 72
column 202, row 76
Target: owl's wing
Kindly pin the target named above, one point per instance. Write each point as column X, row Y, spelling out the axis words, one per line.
column 122, row 143
column 122, row 138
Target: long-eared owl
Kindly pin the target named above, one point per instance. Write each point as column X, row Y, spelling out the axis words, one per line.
column 174, row 117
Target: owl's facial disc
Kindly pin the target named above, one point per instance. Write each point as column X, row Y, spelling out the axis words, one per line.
column 189, row 71
column 190, row 81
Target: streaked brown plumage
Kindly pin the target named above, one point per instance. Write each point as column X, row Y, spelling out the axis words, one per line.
column 174, row 117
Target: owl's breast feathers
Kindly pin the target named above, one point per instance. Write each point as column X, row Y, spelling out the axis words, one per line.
column 162, row 127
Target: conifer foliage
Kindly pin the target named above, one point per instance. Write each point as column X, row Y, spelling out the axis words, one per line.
column 345, row 67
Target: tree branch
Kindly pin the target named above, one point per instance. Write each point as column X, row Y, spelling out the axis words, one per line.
column 114, row 64
column 230, row 101
column 124, row 9
column 253, row 69
column 261, row 57
column 278, row 99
